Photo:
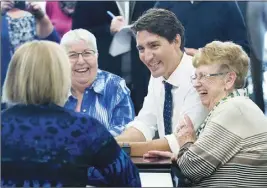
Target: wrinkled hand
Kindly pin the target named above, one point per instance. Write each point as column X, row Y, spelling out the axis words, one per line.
column 191, row 51
column 185, row 132
column 6, row 6
column 116, row 24
column 160, row 154
column 36, row 10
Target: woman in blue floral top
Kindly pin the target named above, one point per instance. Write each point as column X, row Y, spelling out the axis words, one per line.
column 95, row 92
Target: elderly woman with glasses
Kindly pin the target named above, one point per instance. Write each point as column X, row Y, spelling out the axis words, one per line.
column 229, row 148
column 98, row 93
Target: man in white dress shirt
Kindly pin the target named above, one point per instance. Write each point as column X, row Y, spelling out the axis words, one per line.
column 160, row 42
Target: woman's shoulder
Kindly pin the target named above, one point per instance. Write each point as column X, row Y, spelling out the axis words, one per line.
column 67, row 133
column 57, row 121
column 237, row 104
column 46, row 114
column 108, row 76
column 113, row 82
column 238, row 115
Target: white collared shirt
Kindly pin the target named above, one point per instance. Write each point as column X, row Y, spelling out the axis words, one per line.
column 185, row 101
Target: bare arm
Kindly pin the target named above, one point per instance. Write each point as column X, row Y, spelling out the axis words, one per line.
column 131, row 134
column 44, row 26
column 138, row 144
column 139, row 149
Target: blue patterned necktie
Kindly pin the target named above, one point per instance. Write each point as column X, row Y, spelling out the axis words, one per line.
column 168, row 106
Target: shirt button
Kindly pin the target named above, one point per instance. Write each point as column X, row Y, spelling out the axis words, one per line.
column 84, row 110
column 86, row 92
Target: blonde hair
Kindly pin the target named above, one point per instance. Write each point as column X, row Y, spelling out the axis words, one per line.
column 226, row 54
column 39, row 73
column 77, row 35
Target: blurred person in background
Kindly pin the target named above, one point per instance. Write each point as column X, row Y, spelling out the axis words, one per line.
column 256, row 17
column 40, row 137
column 206, row 21
column 95, row 92
column 60, row 14
column 131, row 65
column 22, row 24
column 229, row 148
column 92, row 16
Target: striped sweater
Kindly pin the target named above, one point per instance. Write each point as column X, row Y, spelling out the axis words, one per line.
column 232, row 149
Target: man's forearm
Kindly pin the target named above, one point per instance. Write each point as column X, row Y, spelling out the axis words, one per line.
column 131, row 134
column 138, row 149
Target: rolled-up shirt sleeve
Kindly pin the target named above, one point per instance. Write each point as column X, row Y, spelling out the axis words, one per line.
column 173, row 143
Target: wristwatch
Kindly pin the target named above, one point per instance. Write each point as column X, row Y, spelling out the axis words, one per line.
column 126, row 148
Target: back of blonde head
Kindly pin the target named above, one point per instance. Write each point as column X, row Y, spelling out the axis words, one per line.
column 227, row 54
column 39, row 73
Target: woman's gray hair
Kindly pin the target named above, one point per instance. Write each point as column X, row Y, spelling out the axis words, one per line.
column 77, row 35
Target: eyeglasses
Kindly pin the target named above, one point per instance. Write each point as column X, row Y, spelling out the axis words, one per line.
column 85, row 54
column 202, row 76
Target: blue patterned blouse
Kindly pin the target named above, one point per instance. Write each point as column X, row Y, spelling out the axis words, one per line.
column 107, row 100
column 52, row 136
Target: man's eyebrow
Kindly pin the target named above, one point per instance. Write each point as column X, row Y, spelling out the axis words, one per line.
column 153, row 42
column 148, row 43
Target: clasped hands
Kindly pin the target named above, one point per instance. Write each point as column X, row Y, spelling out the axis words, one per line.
column 184, row 133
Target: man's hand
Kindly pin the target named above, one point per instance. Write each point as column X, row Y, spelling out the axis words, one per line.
column 185, row 132
column 191, row 51
column 116, row 24
column 6, row 6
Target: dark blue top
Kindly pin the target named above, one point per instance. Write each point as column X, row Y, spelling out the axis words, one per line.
column 207, row 21
column 55, row 137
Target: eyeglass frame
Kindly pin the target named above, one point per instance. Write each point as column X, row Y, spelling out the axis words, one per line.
column 82, row 54
column 206, row 76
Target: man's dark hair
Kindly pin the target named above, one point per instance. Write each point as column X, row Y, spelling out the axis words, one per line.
column 161, row 22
